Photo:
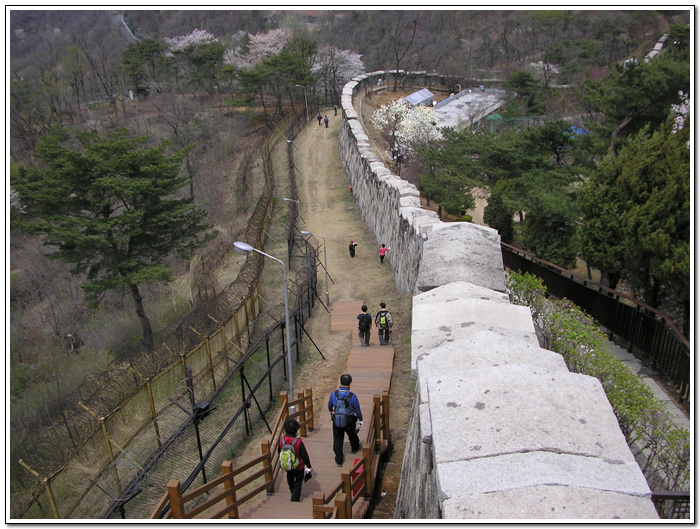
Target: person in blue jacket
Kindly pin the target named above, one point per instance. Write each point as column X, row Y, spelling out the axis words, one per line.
column 353, row 418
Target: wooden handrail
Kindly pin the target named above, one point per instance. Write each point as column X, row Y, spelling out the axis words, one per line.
column 338, row 503
column 269, row 469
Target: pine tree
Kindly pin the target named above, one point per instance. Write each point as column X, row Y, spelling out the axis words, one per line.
column 110, row 210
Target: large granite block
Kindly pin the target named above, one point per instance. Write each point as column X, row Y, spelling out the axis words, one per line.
column 544, row 502
column 463, row 354
column 517, row 408
column 462, row 252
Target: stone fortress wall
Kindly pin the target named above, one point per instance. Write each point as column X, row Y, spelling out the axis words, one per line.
column 500, row 429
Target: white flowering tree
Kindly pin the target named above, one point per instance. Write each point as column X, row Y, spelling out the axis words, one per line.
column 406, row 127
column 197, row 37
column 418, row 127
column 250, row 50
column 199, row 56
column 334, row 68
column 388, row 118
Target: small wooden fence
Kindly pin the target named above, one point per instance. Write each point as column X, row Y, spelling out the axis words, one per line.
column 356, row 483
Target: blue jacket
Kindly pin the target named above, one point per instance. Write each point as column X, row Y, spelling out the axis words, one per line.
column 353, row 403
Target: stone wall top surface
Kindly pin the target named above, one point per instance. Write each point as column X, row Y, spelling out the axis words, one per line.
column 543, row 502
column 462, row 252
column 518, row 408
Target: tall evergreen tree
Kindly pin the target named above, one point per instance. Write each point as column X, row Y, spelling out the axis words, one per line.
column 110, row 210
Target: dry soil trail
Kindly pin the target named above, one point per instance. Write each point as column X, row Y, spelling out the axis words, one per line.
column 328, row 209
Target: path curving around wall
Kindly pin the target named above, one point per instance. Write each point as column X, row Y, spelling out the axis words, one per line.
column 499, row 429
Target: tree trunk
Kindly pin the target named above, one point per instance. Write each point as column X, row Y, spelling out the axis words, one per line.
column 143, row 319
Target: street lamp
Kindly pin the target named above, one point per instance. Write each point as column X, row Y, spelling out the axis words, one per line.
column 306, row 105
column 325, row 261
column 243, row 248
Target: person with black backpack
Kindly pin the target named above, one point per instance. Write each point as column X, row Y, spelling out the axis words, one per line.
column 294, row 459
column 346, row 416
column 364, row 326
column 384, row 323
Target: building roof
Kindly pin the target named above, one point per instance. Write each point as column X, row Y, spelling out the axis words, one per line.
column 420, row 96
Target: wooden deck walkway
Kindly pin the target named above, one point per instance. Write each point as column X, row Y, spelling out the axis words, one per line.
column 370, row 368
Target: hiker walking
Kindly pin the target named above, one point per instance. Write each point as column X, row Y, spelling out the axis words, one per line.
column 364, row 326
column 352, row 247
column 298, row 465
column 384, row 323
column 325, row 120
column 347, row 418
column 318, row 117
column 382, row 252
column 335, row 109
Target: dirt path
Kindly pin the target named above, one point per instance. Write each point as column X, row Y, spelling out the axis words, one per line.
column 329, row 210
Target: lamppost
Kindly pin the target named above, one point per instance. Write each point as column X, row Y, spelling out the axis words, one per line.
column 325, row 261
column 244, row 248
column 306, row 105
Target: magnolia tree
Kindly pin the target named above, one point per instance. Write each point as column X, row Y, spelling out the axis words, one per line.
column 418, row 128
column 406, row 126
column 333, row 68
column 249, row 50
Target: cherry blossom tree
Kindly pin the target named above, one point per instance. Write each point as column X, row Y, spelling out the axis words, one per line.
column 250, row 50
column 197, row 37
column 334, row 68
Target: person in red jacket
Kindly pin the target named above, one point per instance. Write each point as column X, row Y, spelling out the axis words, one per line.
column 382, row 252
column 295, row 478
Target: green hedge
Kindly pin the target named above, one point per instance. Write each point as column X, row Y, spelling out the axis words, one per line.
column 647, row 425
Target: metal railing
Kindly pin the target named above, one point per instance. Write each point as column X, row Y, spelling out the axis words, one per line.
column 640, row 325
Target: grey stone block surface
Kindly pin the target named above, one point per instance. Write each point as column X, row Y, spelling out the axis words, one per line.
column 462, row 252
column 543, row 502
column 463, row 354
column 517, row 408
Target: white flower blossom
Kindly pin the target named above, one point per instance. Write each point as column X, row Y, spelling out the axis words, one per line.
column 197, row 37
column 406, row 126
column 259, row 47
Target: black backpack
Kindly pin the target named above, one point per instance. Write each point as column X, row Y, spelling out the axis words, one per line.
column 341, row 411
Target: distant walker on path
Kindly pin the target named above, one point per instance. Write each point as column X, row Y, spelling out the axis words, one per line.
column 319, row 118
column 325, row 120
column 347, row 418
column 351, row 248
column 382, row 252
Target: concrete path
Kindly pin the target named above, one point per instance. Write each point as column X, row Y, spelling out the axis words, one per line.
column 638, row 368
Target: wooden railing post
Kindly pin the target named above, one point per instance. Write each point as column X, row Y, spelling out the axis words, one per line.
column 318, row 500
column 309, row 404
column 346, row 478
column 341, row 505
column 367, row 465
column 377, row 415
column 267, row 465
column 385, row 406
column 175, row 497
column 302, row 422
column 230, row 485
column 284, row 399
